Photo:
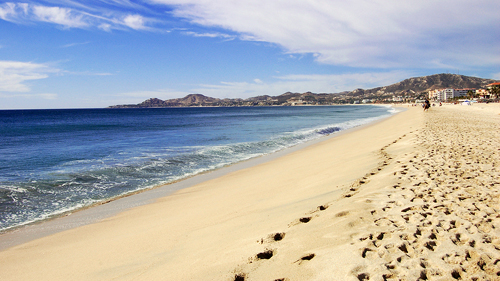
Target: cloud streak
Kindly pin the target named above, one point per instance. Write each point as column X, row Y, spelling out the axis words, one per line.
column 373, row 37
column 14, row 74
column 210, row 35
column 361, row 33
column 61, row 16
column 69, row 17
column 358, row 33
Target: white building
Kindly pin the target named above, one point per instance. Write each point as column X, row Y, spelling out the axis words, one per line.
column 446, row 94
column 433, row 94
column 397, row 98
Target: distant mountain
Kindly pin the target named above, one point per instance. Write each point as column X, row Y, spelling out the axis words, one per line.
column 410, row 88
column 189, row 100
column 427, row 83
column 194, row 99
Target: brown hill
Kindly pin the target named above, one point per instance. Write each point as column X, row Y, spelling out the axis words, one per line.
column 194, row 99
column 410, row 88
column 427, row 83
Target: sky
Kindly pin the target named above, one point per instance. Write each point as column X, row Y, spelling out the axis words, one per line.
column 93, row 54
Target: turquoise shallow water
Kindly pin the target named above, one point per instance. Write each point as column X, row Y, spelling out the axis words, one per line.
column 54, row 161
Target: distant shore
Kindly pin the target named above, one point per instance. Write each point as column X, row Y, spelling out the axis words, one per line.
column 413, row 196
column 408, row 90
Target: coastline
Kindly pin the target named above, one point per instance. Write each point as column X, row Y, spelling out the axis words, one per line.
column 36, row 193
column 290, row 218
column 112, row 206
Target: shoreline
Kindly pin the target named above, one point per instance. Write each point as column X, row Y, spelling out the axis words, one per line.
column 101, row 210
column 379, row 202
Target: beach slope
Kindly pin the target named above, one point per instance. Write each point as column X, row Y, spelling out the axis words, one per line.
column 413, row 196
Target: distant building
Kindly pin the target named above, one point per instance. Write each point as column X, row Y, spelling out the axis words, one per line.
column 461, row 92
column 490, row 86
column 434, row 94
column 397, row 98
column 441, row 94
column 483, row 93
column 446, row 94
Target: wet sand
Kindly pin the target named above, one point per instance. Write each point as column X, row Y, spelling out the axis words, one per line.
column 412, row 197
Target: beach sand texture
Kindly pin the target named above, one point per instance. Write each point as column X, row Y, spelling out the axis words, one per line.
column 413, row 197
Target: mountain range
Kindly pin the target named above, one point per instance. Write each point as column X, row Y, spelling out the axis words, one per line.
column 408, row 89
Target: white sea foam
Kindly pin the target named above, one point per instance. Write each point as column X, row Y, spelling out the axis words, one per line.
column 16, row 189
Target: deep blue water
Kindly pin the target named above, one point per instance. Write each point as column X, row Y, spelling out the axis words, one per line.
column 54, row 161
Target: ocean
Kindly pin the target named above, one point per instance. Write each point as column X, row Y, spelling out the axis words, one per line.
column 58, row 161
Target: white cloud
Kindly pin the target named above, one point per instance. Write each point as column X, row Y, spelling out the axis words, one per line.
column 14, row 74
column 357, row 33
column 361, row 33
column 210, row 34
column 134, row 22
column 9, row 10
column 105, row 26
column 74, row 44
column 77, row 16
column 62, row 16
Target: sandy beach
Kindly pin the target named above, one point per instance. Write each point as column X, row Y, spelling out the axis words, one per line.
column 413, row 197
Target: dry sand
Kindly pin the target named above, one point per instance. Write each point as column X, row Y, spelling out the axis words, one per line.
column 414, row 197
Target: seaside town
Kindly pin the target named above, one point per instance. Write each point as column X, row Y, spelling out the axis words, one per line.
column 450, row 88
column 490, row 92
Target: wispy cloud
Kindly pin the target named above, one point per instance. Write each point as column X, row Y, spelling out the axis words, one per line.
column 361, row 33
column 210, row 34
column 74, row 44
column 14, row 74
column 61, row 16
column 76, row 16
column 136, row 22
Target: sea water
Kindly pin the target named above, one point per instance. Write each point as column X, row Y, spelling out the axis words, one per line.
column 56, row 161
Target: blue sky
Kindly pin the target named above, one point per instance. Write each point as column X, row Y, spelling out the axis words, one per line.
column 87, row 54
